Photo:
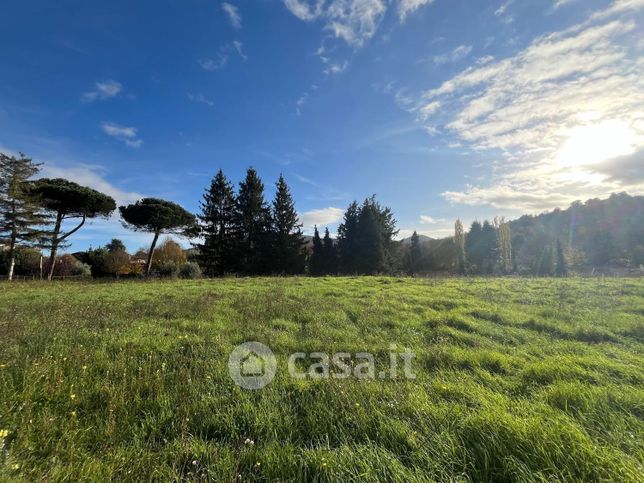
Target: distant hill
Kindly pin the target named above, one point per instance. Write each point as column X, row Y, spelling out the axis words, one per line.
column 421, row 238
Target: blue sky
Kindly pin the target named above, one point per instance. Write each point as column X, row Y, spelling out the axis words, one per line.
column 444, row 108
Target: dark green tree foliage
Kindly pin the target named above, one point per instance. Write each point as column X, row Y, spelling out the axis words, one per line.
column 115, row 245
column 20, row 217
column 490, row 247
column 217, row 218
column 415, row 255
column 475, row 247
column 330, row 254
column 252, row 226
column 561, row 269
column 316, row 260
column 365, row 238
column 347, row 239
column 286, row 241
column 545, row 265
column 67, row 200
column 158, row 216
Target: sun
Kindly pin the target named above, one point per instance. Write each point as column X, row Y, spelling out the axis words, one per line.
column 593, row 143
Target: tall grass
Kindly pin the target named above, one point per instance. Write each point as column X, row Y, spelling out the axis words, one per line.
column 517, row 380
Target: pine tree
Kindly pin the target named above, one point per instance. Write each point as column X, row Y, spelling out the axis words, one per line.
column 287, row 241
column 330, row 254
column 252, row 224
column 316, row 260
column 370, row 241
column 561, row 269
column 459, row 242
column 20, row 217
column 347, row 239
column 216, row 222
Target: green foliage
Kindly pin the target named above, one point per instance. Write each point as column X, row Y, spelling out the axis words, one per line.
column 329, row 254
column 190, row 270
column 216, row 253
column 561, row 269
column 517, row 380
column 316, row 260
column 286, row 239
column 71, row 200
column 252, row 226
column 157, row 216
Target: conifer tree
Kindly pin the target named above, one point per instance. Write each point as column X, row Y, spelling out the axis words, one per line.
column 216, row 221
column 316, row 260
column 371, row 249
column 252, row 224
column 505, row 245
column 20, row 217
column 415, row 254
column 330, row 254
column 459, row 242
column 474, row 247
column 347, row 239
column 287, row 241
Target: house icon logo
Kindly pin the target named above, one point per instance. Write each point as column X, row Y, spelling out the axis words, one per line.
column 252, row 365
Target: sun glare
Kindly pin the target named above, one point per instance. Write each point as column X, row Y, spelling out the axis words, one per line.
column 593, row 143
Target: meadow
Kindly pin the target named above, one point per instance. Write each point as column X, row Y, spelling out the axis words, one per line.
column 517, row 380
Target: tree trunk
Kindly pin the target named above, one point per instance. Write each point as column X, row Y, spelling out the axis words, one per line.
column 12, row 255
column 54, row 246
column 148, row 265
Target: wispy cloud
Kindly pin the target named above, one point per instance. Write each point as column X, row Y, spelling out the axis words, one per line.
column 128, row 135
column 459, row 53
column 429, row 220
column 552, row 112
column 233, row 14
column 406, row 7
column 221, row 58
column 200, row 98
column 103, row 90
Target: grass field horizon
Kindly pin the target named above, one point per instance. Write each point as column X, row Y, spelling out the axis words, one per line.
column 516, row 380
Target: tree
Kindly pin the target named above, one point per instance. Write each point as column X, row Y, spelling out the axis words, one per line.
column 545, row 264
column 505, row 245
column 19, row 215
column 415, row 254
column 287, row 240
column 67, row 200
column 115, row 245
column 561, row 269
column 158, row 216
column 251, row 224
column 117, row 262
column 459, row 242
column 217, row 226
column 316, row 260
column 347, row 239
column 489, row 246
column 330, row 254
column 474, row 246
column 371, row 250
column 169, row 252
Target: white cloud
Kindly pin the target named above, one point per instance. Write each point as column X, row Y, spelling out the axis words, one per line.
column 200, row 98
column 102, row 91
column 128, row 135
column 499, row 12
column 455, row 55
column 566, row 101
column 233, row 14
column 428, row 220
column 321, row 217
column 560, row 3
column 354, row 21
column 239, row 49
column 405, row 7
column 336, row 68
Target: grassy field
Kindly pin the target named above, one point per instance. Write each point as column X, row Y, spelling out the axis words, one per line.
column 517, row 380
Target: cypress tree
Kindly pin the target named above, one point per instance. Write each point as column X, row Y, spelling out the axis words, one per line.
column 287, row 240
column 216, row 222
column 252, row 222
column 19, row 215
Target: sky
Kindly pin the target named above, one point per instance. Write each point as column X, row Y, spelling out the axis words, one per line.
column 444, row 109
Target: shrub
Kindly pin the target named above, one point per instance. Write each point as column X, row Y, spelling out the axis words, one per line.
column 168, row 269
column 190, row 270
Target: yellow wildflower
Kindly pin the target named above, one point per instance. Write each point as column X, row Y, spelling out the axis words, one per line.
column 15, row 466
column 73, row 396
column 4, row 433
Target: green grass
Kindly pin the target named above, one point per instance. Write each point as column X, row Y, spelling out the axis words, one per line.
column 517, row 380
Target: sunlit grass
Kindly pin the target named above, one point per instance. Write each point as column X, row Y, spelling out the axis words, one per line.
column 516, row 380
